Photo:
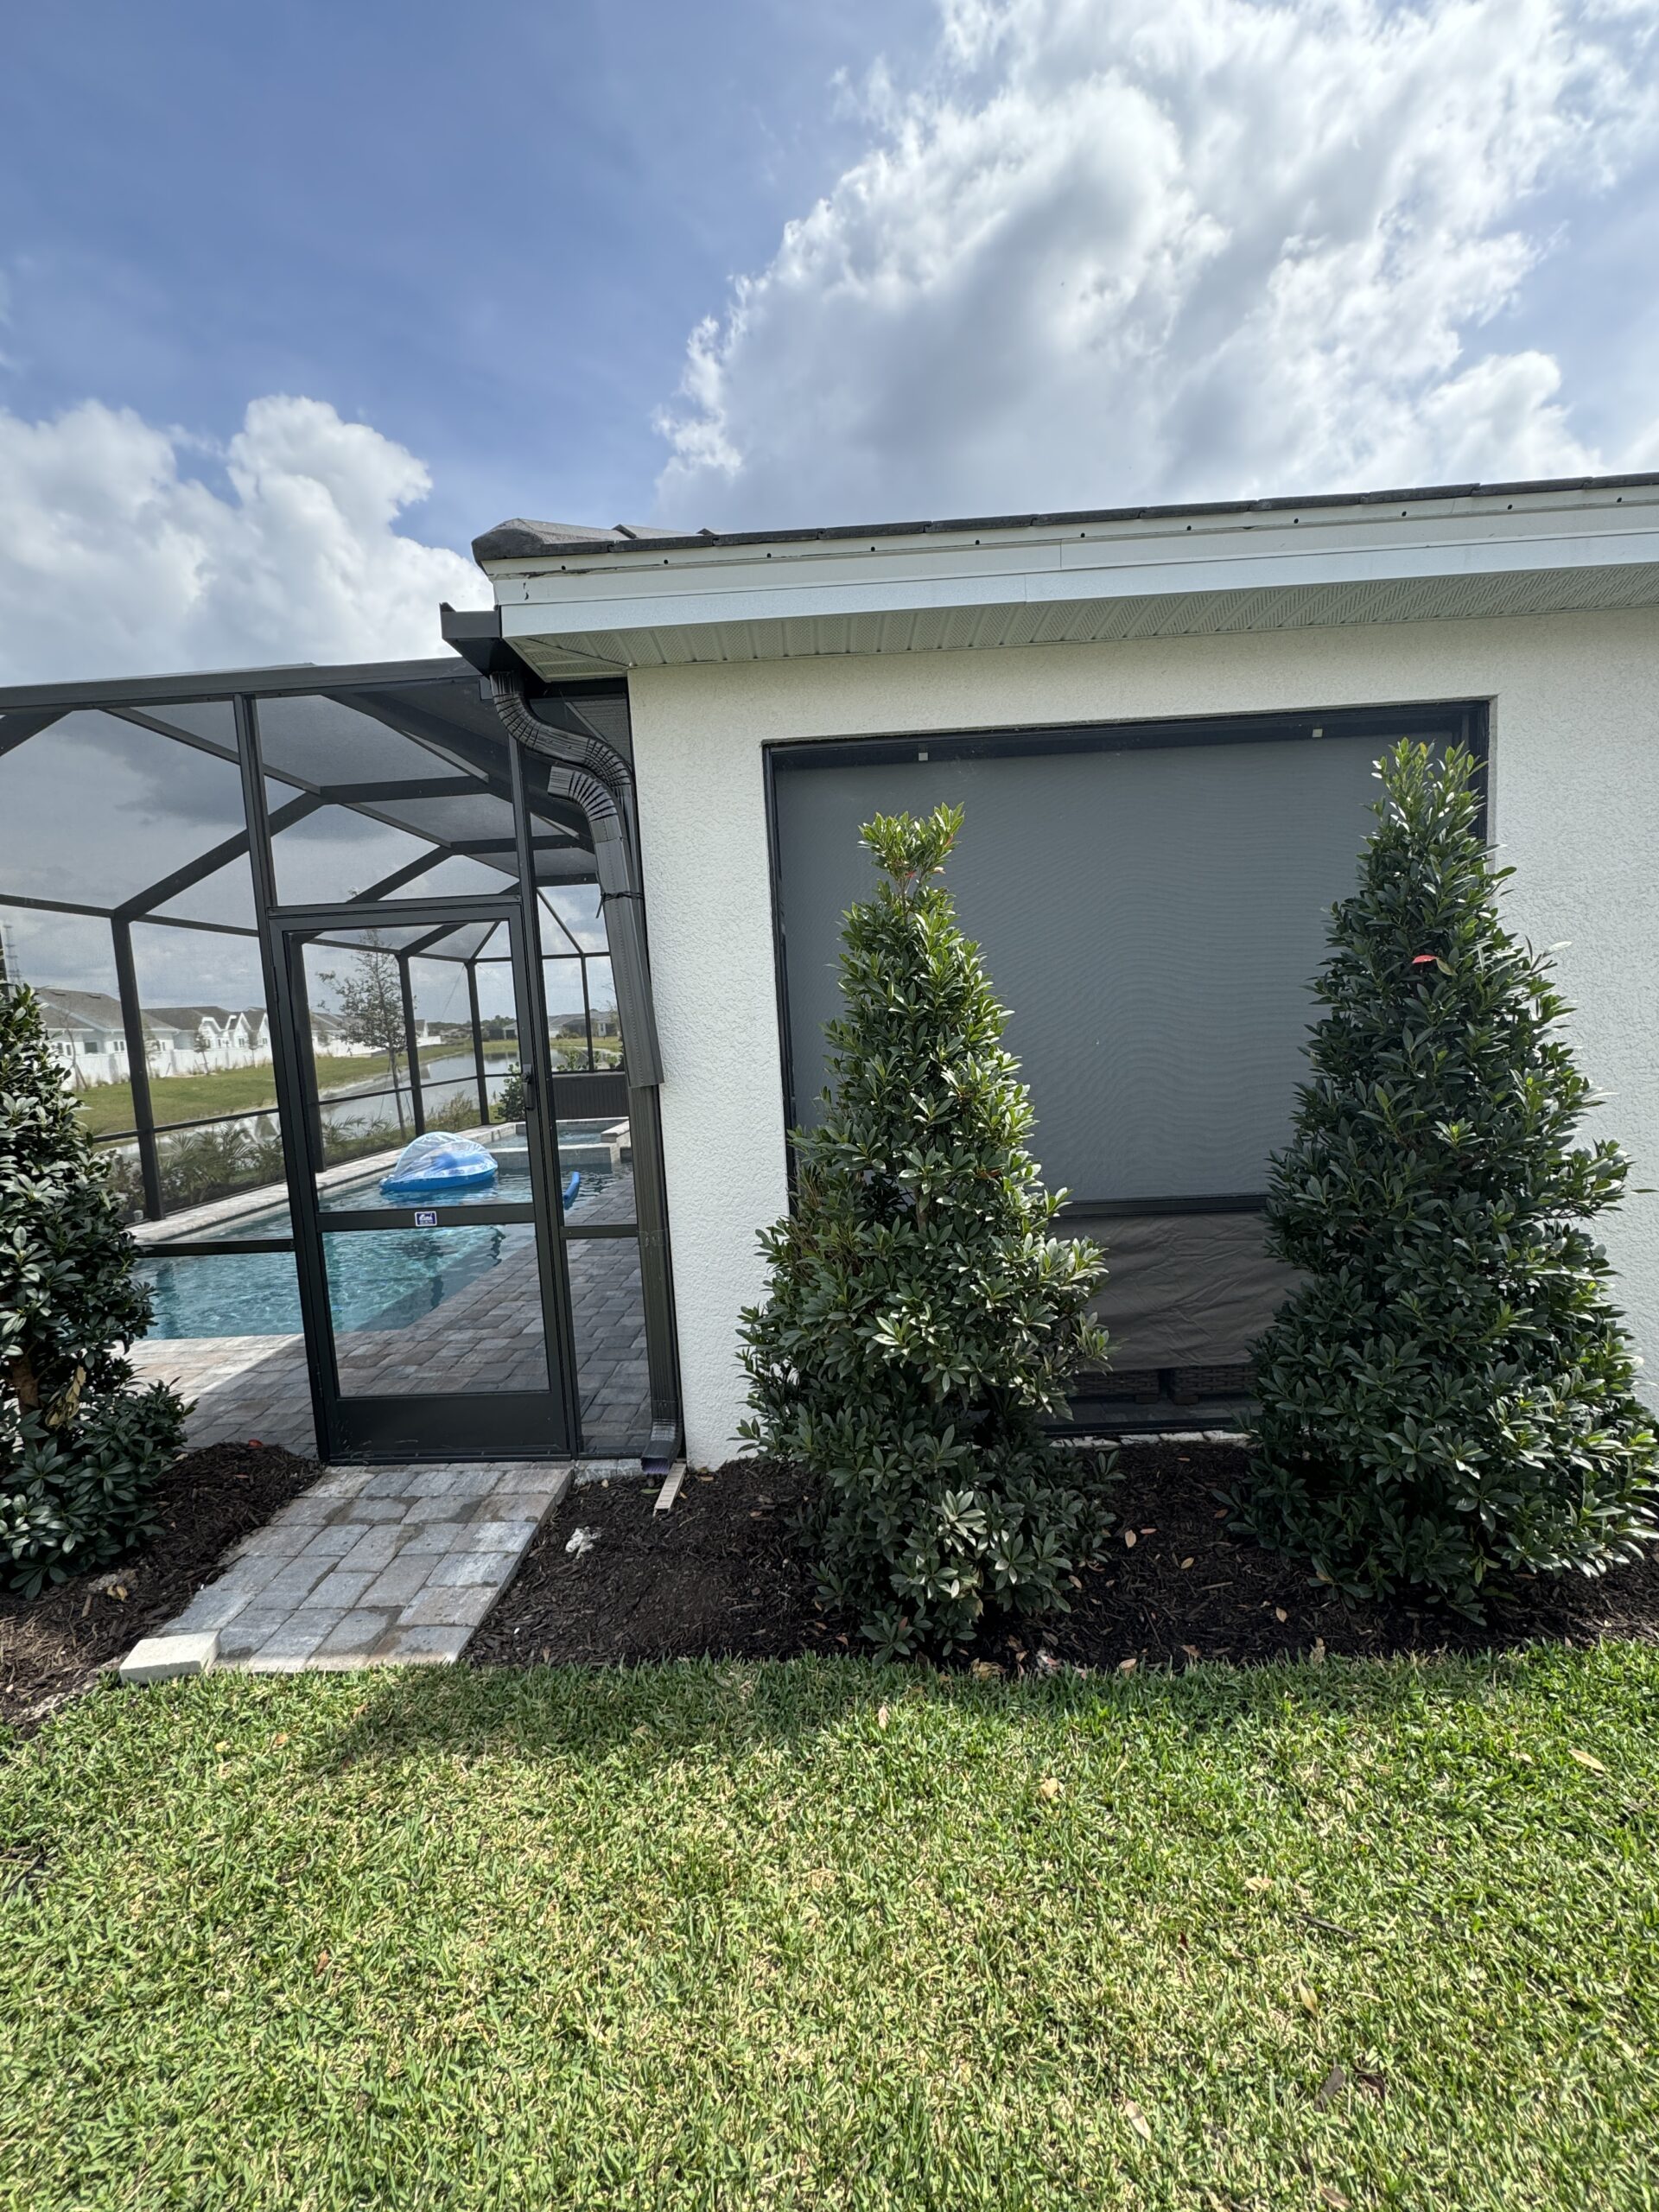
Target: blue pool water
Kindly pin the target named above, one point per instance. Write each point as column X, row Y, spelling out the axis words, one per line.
column 377, row 1279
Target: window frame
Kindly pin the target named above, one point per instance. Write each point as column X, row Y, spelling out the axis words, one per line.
column 1469, row 718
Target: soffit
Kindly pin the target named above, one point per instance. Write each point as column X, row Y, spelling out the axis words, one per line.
column 1115, row 619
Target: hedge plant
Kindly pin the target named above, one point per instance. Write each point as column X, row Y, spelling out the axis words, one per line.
column 1448, row 1400
column 80, row 1450
column 921, row 1318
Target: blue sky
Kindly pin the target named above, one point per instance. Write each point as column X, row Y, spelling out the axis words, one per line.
column 487, row 232
column 294, row 302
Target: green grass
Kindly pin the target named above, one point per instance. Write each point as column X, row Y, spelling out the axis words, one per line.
column 712, row 1937
column 108, row 1106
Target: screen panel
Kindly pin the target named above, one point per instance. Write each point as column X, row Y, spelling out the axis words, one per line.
column 1151, row 914
column 98, row 809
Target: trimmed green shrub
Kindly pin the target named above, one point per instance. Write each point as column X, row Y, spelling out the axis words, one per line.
column 921, row 1319
column 1448, row 1398
column 80, row 1451
column 509, row 1099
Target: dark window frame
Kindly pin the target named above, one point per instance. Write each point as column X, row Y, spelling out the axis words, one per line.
column 1469, row 718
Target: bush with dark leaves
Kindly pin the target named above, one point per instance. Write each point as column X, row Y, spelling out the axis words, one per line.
column 80, row 1450
column 1448, row 1399
column 921, row 1318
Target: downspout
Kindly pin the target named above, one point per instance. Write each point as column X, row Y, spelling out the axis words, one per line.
column 595, row 778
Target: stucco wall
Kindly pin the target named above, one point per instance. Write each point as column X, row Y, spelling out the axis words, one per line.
column 1575, row 788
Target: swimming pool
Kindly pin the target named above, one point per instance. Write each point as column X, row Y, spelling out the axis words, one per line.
column 377, row 1279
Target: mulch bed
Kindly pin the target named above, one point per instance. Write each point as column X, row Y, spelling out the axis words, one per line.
column 55, row 1645
column 718, row 1574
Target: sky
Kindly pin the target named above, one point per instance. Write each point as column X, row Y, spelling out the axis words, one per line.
column 295, row 301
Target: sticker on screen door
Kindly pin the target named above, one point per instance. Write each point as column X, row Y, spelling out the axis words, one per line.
column 425, row 1218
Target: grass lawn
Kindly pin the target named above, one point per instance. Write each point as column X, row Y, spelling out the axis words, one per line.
column 713, row 1936
column 108, row 1106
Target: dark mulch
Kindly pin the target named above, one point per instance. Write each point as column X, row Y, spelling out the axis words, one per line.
column 718, row 1574
column 55, row 1644
column 1187, row 1589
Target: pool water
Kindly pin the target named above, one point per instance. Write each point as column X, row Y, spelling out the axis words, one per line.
column 376, row 1279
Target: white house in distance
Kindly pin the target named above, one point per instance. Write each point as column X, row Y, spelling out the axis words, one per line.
column 84, row 1032
column 1162, row 723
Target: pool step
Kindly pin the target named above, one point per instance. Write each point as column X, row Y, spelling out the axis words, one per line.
column 606, row 1158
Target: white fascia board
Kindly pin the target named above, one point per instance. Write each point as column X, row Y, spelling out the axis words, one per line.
column 1276, row 551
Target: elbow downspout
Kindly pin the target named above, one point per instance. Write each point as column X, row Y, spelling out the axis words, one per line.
column 595, row 778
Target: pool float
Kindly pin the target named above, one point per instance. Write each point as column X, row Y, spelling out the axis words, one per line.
column 436, row 1164
column 572, row 1185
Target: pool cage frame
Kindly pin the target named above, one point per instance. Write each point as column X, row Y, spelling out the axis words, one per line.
column 541, row 824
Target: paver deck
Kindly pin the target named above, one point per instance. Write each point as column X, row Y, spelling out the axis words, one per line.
column 376, row 1566
column 485, row 1337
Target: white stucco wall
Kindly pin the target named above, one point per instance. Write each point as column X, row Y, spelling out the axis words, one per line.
column 1575, row 793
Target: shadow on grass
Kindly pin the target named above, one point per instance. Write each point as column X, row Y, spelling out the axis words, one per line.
column 733, row 1707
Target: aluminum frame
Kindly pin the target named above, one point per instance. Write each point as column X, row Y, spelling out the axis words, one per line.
column 465, row 759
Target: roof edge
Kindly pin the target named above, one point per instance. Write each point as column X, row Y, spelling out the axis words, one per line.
column 520, row 539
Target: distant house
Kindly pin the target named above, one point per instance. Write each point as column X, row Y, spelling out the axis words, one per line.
column 88, row 1038
column 193, row 1040
column 84, row 1034
column 329, row 1035
column 605, row 1024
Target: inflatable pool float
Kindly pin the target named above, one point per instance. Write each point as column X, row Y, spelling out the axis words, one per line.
column 436, row 1165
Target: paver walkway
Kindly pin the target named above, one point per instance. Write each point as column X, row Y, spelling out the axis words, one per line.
column 377, row 1564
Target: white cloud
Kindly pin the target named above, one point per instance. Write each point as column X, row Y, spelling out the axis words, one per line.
column 1117, row 250
column 115, row 560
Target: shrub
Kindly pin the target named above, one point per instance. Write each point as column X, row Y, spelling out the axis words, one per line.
column 460, row 1114
column 358, row 1138
column 1448, row 1397
column 80, row 1451
column 920, row 1319
column 120, row 1172
column 510, row 1101
column 198, row 1165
